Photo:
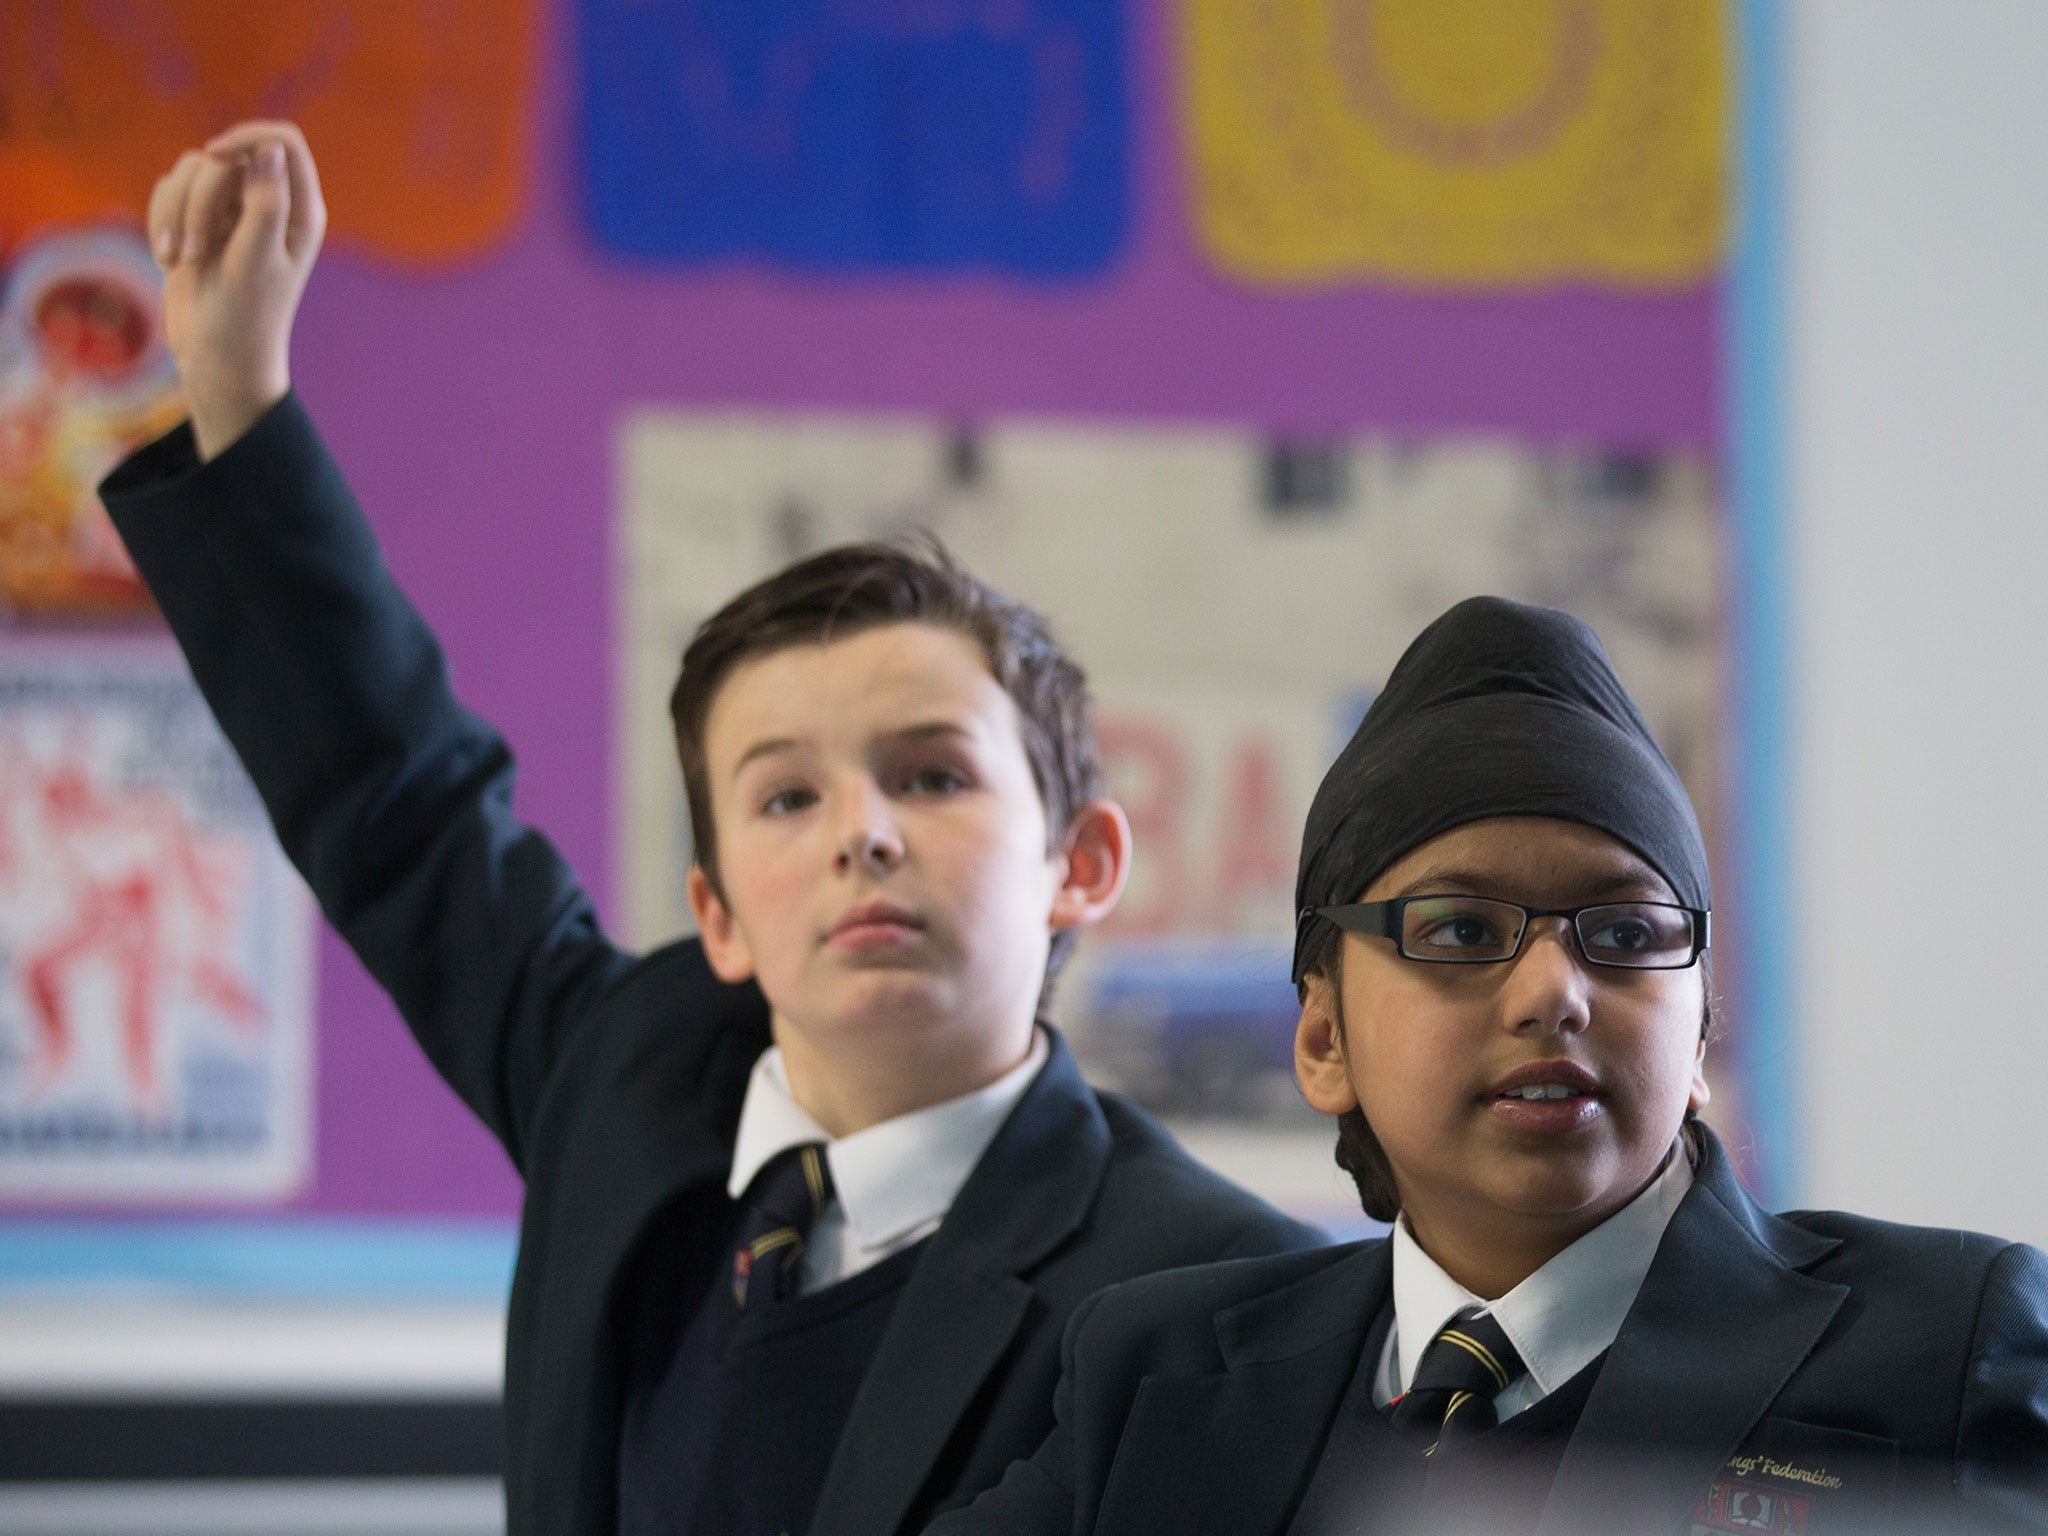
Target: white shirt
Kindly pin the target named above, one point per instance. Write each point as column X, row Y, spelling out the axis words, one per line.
column 891, row 1183
column 1559, row 1319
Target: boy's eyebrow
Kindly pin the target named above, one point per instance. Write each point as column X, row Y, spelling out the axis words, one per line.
column 923, row 730
column 1452, row 878
column 1446, row 877
column 766, row 748
column 926, row 729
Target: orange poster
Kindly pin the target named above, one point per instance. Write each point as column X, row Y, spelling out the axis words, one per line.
column 1459, row 144
column 417, row 110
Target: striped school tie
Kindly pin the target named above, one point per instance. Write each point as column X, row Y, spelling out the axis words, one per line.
column 1451, row 1396
column 776, row 1216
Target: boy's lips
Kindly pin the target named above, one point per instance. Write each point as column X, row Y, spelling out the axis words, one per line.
column 1554, row 1095
column 1558, row 1071
column 874, row 923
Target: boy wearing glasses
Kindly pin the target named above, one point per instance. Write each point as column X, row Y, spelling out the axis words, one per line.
column 1580, row 1321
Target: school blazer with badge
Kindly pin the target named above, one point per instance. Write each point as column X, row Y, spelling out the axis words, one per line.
column 613, row 1082
column 1784, row 1374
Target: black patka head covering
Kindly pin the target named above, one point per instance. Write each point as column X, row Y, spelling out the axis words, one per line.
column 1497, row 709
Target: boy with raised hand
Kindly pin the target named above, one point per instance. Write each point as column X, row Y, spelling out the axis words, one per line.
column 1580, row 1322
column 784, row 1267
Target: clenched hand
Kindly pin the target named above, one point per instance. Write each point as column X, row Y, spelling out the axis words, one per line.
column 236, row 227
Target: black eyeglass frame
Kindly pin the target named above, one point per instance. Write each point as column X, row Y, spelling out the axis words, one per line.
column 1383, row 920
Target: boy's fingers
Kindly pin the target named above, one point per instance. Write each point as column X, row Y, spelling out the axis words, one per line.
column 213, row 189
column 259, row 231
column 308, row 211
column 166, row 219
column 247, row 135
column 308, row 208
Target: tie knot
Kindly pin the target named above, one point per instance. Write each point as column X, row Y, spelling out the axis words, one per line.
column 776, row 1216
column 1467, row 1365
column 791, row 1188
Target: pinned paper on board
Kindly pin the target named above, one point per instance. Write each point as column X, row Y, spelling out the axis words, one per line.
column 155, row 1008
column 418, row 114
column 857, row 134
column 1459, row 144
column 85, row 379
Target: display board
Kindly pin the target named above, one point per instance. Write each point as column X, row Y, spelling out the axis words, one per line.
column 502, row 390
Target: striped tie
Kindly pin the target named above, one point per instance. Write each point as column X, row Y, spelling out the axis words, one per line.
column 775, row 1221
column 1451, row 1396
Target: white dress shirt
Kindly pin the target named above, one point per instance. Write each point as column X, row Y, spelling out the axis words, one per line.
column 891, row 1183
column 1559, row 1319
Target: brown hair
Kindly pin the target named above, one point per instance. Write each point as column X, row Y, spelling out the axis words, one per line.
column 1359, row 1152
column 840, row 592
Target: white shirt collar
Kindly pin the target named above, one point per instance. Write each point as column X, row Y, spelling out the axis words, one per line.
column 891, row 1178
column 1561, row 1317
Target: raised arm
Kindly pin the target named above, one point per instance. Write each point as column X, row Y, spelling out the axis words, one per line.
column 392, row 800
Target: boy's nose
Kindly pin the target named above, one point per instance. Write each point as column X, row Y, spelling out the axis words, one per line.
column 1547, row 987
column 869, row 840
column 870, row 850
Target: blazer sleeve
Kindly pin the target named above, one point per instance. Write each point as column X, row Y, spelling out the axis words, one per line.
column 393, row 801
column 1037, row 1495
column 2001, row 1456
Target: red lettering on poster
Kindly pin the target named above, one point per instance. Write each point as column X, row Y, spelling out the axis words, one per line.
column 1146, row 770
column 1254, row 834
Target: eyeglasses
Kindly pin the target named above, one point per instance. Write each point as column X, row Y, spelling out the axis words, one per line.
column 1473, row 930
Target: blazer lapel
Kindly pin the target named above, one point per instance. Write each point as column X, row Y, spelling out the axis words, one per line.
column 1234, row 1453
column 966, row 1299
column 1723, row 1320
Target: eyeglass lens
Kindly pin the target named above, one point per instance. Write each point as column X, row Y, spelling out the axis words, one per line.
column 1643, row 935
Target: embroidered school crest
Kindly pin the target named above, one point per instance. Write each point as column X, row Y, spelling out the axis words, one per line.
column 1795, row 1479
column 1734, row 1506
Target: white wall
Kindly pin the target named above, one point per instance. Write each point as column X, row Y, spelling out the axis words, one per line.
column 1917, row 198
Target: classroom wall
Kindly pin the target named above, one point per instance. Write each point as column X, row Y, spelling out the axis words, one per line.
column 1917, row 358
column 479, row 405
column 476, row 409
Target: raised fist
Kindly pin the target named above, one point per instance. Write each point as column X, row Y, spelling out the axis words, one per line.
column 236, row 226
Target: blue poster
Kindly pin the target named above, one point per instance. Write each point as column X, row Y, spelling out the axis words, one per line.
column 857, row 135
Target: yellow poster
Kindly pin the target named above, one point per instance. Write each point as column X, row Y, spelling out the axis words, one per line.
column 1459, row 144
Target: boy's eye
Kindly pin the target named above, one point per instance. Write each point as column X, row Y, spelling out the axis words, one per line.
column 784, row 802
column 933, row 780
column 1461, row 933
column 1637, row 930
column 1457, row 928
column 1626, row 934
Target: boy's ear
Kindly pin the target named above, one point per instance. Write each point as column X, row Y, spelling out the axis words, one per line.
column 725, row 947
column 1098, row 861
column 1701, row 1093
column 1319, row 1063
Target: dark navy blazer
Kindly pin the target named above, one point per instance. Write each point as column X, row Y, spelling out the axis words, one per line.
column 1912, row 1361
column 613, row 1081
